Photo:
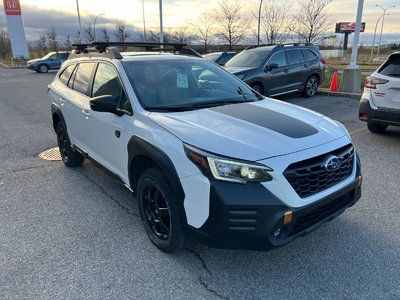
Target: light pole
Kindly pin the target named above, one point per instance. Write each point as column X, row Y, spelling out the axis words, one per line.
column 94, row 25
column 354, row 50
column 144, row 22
column 383, row 21
column 79, row 16
column 161, row 26
column 259, row 22
column 373, row 41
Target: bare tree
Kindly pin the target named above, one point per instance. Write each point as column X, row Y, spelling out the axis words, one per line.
column 232, row 22
column 52, row 39
column 154, row 37
column 275, row 21
column 204, row 27
column 5, row 45
column 78, row 38
column 68, row 43
column 182, row 34
column 120, row 33
column 105, row 37
column 89, row 33
column 42, row 43
column 312, row 20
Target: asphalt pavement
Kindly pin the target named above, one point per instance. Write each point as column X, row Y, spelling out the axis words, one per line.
column 76, row 233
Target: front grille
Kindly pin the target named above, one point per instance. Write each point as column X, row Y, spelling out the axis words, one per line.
column 310, row 176
column 322, row 212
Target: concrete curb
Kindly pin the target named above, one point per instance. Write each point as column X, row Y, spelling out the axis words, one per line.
column 328, row 92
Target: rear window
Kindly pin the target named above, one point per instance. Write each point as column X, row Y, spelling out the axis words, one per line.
column 294, row 57
column 391, row 67
column 82, row 77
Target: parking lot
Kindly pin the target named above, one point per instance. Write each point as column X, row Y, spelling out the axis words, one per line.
column 76, row 233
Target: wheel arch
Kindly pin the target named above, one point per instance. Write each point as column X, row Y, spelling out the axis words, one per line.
column 143, row 155
column 57, row 116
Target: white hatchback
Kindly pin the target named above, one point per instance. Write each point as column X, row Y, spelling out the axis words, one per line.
column 380, row 102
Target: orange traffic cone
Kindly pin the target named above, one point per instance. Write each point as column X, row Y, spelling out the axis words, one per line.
column 335, row 82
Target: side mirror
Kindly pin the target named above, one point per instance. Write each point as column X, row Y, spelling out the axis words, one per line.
column 272, row 66
column 105, row 103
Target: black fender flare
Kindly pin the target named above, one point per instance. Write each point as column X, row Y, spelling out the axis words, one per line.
column 55, row 110
column 138, row 146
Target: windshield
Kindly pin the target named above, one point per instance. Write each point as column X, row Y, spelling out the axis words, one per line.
column 185, row 84
column 212, row 56
column 47, row 56
column 248, row 59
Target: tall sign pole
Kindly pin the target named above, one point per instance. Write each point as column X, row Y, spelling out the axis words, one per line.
column 354, row 52
column 15, row 27
column 79, row 17
column 161, row 26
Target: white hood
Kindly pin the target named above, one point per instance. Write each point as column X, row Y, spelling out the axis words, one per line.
column 251, row 131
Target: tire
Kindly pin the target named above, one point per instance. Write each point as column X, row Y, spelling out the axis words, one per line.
column 258, row 88
column 376, row 127
column 43, row 69
column 161, row 215
column 70, row 157
column 311, row 87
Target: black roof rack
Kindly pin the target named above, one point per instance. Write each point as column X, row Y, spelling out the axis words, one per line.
column 279, row 45
column 108, row 49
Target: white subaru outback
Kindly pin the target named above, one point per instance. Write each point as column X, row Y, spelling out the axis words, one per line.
column 206, row 156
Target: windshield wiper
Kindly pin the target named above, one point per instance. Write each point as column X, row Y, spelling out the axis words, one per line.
column 221, row 102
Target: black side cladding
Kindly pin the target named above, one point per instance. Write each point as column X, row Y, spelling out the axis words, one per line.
column 267, row 118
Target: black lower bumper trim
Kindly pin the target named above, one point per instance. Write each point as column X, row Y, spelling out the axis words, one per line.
column 380, row 115
column 250, row 217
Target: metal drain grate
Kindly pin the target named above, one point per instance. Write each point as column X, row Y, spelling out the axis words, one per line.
column 51, row 154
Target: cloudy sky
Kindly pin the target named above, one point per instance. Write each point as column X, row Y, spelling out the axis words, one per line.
column 41, row 16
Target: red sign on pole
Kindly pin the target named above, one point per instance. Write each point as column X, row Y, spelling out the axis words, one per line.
column 12, row 7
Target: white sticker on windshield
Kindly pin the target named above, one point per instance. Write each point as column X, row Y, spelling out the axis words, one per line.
column 182, row 81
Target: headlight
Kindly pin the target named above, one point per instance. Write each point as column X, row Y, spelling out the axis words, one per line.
column 226, row 169
column 240, row 76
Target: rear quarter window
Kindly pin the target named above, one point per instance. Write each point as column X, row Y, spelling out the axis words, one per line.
column 391, row 67
column 310, row 55
column 66, row 74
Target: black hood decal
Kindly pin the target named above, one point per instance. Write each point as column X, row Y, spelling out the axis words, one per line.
column 267, row 118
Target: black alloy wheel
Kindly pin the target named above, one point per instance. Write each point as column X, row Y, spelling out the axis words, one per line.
column 311, row 88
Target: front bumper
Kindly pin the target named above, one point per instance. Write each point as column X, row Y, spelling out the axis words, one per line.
column 380, row 115
column 32, row 67
column 249, row 216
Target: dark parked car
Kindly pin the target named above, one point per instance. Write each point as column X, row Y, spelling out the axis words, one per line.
column 220, row 58
column 280, row 69
column 51, row 61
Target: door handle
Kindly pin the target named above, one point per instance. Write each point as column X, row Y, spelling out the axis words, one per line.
column 306, row 65
column 86, row 113
column 286, row 70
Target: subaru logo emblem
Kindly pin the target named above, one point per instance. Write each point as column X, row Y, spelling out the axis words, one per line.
column 333, row 163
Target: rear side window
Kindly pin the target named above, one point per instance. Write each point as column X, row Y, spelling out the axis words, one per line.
column 82, row 77
column 224, row 59
column 278, row 58
column 66, row 74
column 294, row 57
column 391, row 67
column 310, row 55
column 107, row 82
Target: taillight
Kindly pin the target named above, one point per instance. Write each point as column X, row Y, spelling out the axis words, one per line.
column 371, row 82
column 323, row 60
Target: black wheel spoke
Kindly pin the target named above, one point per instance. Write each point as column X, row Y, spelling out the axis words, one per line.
column 156, row 210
